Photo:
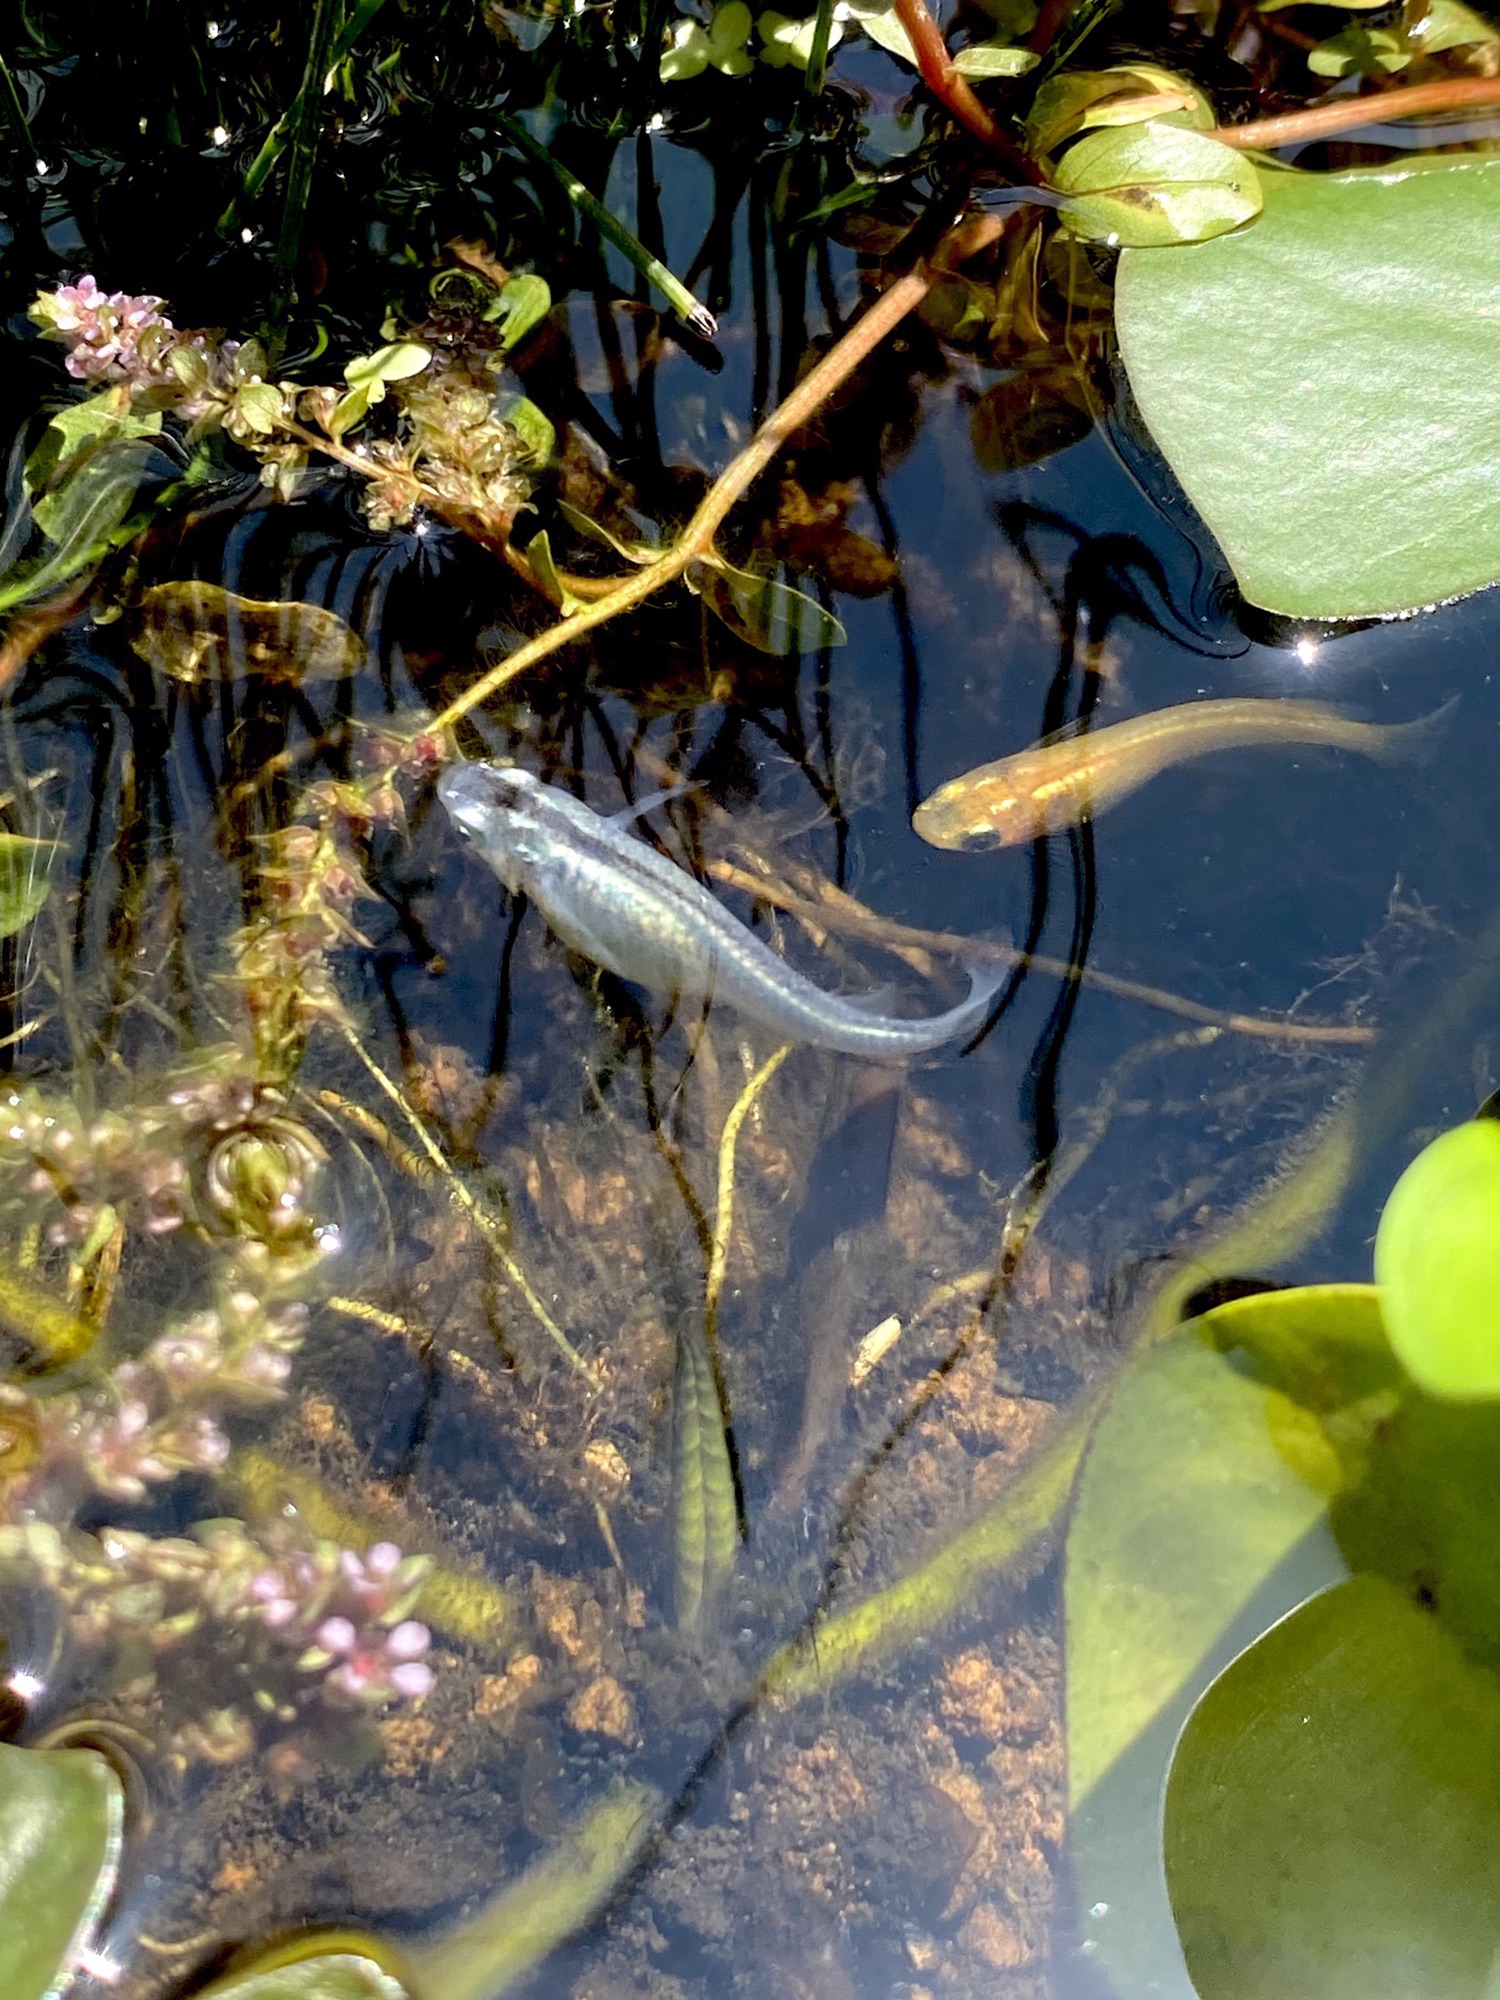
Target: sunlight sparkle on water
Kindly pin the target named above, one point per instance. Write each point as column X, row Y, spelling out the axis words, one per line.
column 25, row 1686
column 1307, row 651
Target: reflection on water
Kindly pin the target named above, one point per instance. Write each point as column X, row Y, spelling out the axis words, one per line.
column 446, row 1383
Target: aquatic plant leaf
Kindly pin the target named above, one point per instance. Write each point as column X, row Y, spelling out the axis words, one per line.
column 25, row 872
column 763, row 611
column 1448, row 24
column 1324, row 505
column 367, row 376
column 82, row 516
column 1155, row 184
column 328, row 1976
column 556, row 1896
column 1332, row 1825
column 1437, row 1262
column 994, row 59
column 884, row 27
column 196, row 631
column 61, row 1813
column 1080, row 100
column 1365, row 51
column 532, row 426
column 706, row 1521
column 1194, row 1490
column 97, row 418
column 521, row 303
column 644, row 551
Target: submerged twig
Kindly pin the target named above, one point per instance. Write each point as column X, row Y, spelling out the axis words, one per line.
column 1348, row 114
column 697, row 538
column 739, row 1111
column 839, row 911
column 690, row 309
column 488, row 1227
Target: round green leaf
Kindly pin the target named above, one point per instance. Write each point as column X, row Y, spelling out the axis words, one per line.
column 60, row 1818
column 25, row 871
column 1437, row 1262
column 1335, row 488
column 403, row 358
column 1155, row 184
column 1332, row 1826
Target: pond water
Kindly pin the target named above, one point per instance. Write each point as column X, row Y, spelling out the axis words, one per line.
column 395, row 1236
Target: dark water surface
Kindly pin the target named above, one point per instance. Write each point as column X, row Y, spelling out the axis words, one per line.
column 898, row 1829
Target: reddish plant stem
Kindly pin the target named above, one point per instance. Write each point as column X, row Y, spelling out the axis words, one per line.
column 1347, row 114
column 952, row 90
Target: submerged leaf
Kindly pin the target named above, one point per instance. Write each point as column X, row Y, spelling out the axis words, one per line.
column 983, row 59
column 1332, row 1821
column 61, row 1813
column 327, row 1976
column 81, row 516
column 1079, row 100
column 1335, row 486
column 1437, row 1262
column 763, row 611
column 1365, row 51
column 25, row 872
column 1155, row 184
column 195, row 631
column 706, row 1518
column 521, row 303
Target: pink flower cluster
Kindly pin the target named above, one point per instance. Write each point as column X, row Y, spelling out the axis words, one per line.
column 110, row 336
column 353, row 1612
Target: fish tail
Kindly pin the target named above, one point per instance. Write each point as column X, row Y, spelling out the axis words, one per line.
column 1416, row 742
column 986, row 977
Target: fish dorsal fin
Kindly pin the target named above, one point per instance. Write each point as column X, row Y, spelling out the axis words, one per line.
column 628, row 814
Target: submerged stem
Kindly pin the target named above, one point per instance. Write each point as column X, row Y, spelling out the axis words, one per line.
column 488, row 1227
column 690, row 309
column 1348, row 114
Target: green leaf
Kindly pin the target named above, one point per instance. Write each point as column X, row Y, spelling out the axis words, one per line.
column 1365, row 51
column 763, row 611
column 396, row 363
column 706, row 1520
column 884, row 28
column 644, row 551
column 1155, row 184
column 354, row 407
column 494, row 1951
column 1448, row 24
column 1335, row 488
column 532, row 426
column 25, row 873
column 996, row 58
column 1129, row 94
column 686, row 53
column 1437, row 1262
column 728, row 33
column 1332, row 1827
column 1199, row 1482
column 1200, row 1519
column 105, row 416
column 61, row 1813
column 539, row 554
column 258, row 407
column 328, row 1976
column 520, row 304
column 82, row 515
column 788, row 41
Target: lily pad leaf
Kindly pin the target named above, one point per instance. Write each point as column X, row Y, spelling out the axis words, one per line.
column 1155, row 184
column 1332, row 491
column 1332, row 1826
column 1437, row 1262
column 61, row 1813
column 25, row 873
column 763, row 611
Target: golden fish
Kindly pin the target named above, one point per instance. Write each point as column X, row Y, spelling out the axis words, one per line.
column 1073, row 776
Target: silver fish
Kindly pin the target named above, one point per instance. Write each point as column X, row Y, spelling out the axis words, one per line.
column 613, row 899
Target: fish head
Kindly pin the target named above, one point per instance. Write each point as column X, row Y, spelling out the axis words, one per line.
column 500, row 810
column 967, row 818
